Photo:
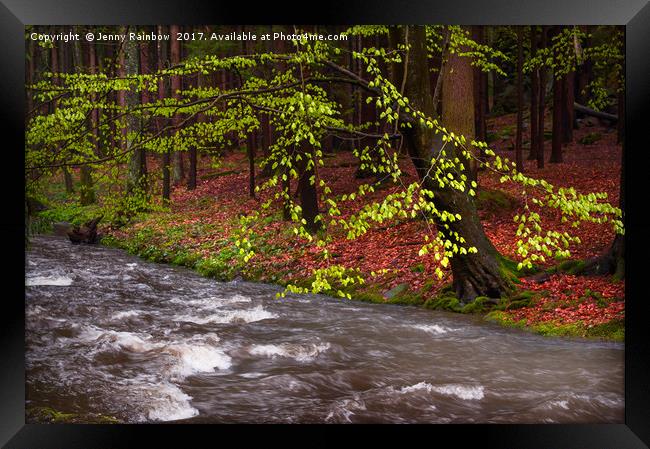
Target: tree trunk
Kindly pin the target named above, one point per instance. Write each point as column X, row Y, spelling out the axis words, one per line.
column 162, row 57
column 251, row 138
column 473, row 274
column 558, row 105
column 478, row 32
column 568, row 113
column 145, row 68
column 86, row 190
column 520, row 98
column 56, row 68
column 558, row 109
column 175, row 54
column 541, row 105
column 534, row 98
column 250, row 152
column 129, row 67
column 191, row 178
column 621, row 99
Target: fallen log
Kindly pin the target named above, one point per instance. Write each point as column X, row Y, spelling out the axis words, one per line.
column 588, row 111
column 86, row 233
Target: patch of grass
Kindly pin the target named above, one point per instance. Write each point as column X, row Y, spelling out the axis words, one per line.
column 590, row 138
column 570, row 267
column 419, row 268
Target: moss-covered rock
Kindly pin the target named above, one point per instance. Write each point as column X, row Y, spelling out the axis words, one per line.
column 494, row 200
column 445, row 301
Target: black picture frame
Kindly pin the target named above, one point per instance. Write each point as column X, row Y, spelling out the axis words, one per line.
column 14, row 14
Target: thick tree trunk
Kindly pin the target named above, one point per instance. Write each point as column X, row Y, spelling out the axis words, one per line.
column 520, row 98
column 473, row 274
column 534, row 98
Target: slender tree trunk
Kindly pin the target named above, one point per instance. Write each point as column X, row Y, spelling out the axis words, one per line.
column 478, row 32
column 251, row 138
column 191, row 178
column 162, row 57
column 520, row 98
column 29, row 73
column 584, row 75
column 556, row 147
column 568, row 112
column 175, row 54
column 86, row 191
column 534, row 98
column 56, row 68
column 130, row 99
column 558, row 106
column 477, row 274
column 621, row 98
column 542, row 100
column 145, row 61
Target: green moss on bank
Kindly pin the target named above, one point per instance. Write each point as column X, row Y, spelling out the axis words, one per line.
column 52, row 416
column 613, row 330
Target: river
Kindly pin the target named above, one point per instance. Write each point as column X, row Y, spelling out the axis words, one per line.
column 108, row 333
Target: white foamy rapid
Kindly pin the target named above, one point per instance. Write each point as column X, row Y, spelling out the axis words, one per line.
column 166, row 402
column 231, row 316
column 60, row 281
column 433, row 329
column 194, row 359
column 469, row 393
column 127, row 314
column 136, row 342
column 211, row 302
column 176, row 360
column 301, row 353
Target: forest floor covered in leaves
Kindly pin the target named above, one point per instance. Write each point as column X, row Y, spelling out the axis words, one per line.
column 199, row 231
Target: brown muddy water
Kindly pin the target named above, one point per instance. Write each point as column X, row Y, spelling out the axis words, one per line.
column 108, row 333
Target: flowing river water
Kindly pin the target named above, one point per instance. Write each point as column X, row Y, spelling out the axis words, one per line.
column 108, row 333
